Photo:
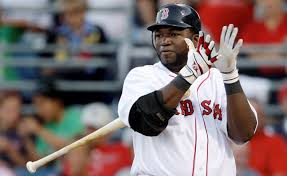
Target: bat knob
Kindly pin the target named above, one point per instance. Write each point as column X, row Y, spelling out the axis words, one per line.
column 31, row 167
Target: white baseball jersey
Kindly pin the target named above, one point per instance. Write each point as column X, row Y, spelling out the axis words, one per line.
column 195, row 141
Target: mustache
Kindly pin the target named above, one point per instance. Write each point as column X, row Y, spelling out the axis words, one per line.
column 166, row 50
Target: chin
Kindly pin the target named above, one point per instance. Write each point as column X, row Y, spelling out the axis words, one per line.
column 168, row 59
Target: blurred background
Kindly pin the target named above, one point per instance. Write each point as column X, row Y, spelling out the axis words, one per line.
column 63, row 63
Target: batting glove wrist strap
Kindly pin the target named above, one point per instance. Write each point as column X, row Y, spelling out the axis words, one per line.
column 232, row 77
column 188, row 74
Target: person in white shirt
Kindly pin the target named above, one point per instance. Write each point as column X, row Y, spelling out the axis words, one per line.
column 185, row 114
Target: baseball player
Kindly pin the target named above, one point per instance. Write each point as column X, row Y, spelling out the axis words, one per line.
column 184, row 112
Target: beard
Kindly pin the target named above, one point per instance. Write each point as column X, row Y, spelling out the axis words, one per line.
column 176, row 63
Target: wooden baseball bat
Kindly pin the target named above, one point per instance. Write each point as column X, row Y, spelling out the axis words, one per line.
column 105, row 130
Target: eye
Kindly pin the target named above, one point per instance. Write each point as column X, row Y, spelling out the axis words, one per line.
column 174, row 34
column 157, row 35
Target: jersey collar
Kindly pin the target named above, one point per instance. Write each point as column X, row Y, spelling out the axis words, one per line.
column 162, row 67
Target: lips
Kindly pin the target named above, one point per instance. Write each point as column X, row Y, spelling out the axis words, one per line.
column 166, row 51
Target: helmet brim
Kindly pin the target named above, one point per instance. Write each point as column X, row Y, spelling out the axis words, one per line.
column 165, row 24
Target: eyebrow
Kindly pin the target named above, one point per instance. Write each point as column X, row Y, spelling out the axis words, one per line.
column 172, row 30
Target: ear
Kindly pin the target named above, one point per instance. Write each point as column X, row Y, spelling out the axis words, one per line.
column 194, row 39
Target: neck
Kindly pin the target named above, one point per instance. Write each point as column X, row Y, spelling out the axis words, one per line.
column 177, row 66
column 175, row 69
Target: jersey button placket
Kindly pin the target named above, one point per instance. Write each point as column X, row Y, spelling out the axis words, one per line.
column 201, row 142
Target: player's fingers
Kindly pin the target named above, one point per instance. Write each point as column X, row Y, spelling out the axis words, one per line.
column 238, row 46
column 189, row 44
column 213, row 59
column 213, row 56
column 200, row 40
column 206, row 42
column 228, row 33
column 218, row 57
column 232, row 37
column 209, row 48
column 222, row 36
column 198, row 63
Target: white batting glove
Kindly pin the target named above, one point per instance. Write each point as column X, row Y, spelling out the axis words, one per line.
column 200, row 59
column 227, row 54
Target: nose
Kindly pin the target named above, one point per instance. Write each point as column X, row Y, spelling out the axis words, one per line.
column 166, row 41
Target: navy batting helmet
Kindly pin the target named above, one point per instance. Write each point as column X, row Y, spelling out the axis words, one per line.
column 177, row 15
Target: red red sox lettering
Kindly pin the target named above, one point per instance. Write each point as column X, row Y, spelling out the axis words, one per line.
column 186, row 108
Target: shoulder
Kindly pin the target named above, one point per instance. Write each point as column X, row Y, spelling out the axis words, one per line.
column 145, row 68
column 139, row 79
column 140, row 72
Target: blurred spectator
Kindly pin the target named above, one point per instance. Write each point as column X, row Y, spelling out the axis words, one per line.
column 24, row 23
column 77, row 161
column 217, row 13
column 9, row 34
column 268, row 150
column 118, row 13
column 35, row 18
column 59, row 124
column 127, row 139
column 72, row 35
column 75, row 31
column 282, row 99
column 214, row 13
column 268, row 28
column 270, row 25
column 241, row 155
column 12, row 151
column 104, row 156
column 253, row 91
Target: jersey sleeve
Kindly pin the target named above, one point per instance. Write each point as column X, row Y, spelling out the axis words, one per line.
column 223, row 100
column 137, row 83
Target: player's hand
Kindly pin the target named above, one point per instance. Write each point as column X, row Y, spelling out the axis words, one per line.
column 200, row 59
column 227, row 54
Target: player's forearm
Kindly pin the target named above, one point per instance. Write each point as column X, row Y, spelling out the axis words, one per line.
column 174, row 91
column 241, row 121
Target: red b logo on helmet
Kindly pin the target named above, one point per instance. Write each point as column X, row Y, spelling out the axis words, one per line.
column 164, row 13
